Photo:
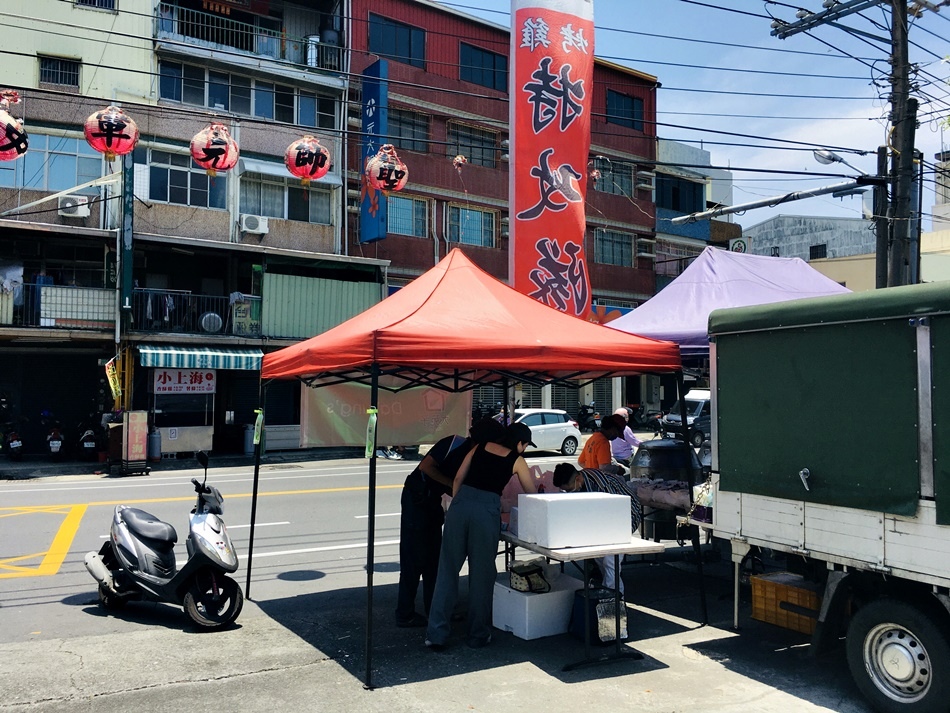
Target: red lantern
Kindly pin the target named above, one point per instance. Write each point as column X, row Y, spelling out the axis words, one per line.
column 307, row 159
column 214, row 149
column 385, row 171
column 13, row 140
column 111, row 132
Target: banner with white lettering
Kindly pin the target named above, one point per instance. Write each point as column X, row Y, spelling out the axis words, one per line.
column 551, row 86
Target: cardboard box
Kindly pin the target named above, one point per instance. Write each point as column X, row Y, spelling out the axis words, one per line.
column 532, row 616
column 574, row 519
column 786, row 600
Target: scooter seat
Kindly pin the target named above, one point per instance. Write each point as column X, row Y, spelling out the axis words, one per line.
column 148, row 526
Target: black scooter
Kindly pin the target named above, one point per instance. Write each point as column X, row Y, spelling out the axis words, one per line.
column 642, row 420
column 588, row 418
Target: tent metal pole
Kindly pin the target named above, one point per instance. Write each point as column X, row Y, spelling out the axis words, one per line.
column 257, row 472
column 371, row 538
column 508, row 413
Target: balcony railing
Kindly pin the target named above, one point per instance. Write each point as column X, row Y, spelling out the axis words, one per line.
column 184, row 311
column 217, row 32
column 68, row 307
column 58, row 306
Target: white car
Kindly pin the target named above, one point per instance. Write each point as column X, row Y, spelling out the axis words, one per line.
column 551, row 429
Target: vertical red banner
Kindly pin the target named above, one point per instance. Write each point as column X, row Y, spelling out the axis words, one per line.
column 551, row 86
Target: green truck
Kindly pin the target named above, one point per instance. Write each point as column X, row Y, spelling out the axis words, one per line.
column 831, row 444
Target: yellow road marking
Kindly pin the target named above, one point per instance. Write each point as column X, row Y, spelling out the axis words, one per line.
column 54, row 557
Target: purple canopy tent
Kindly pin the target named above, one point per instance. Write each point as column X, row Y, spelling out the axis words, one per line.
column 717, row 279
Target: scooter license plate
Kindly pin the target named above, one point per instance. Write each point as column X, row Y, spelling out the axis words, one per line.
column 16, row 444
column 54, row 446
column 88, row 444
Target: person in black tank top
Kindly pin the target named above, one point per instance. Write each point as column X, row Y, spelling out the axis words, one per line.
column 472, row 530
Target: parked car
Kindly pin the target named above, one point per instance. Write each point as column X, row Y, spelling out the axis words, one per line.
column 551, row 429
column 698, row 418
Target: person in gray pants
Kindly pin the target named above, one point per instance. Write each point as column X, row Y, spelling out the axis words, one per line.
column 472, row 530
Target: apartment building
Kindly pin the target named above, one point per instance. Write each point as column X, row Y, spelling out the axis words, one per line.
column 186, row 276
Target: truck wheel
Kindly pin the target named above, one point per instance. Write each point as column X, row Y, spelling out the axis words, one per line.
column 899, row 657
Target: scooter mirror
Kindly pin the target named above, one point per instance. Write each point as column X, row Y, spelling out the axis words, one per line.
column 202, row 459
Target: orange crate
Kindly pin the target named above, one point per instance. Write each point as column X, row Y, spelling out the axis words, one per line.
column 771, row 591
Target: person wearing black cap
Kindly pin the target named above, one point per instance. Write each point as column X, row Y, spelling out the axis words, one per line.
column 421, row 517
column 472, row 531
column 591, row 480
column 596, row 452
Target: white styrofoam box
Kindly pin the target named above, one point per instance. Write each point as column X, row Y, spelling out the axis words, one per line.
column 531, row 616
column 513, row 522
column 574, row 519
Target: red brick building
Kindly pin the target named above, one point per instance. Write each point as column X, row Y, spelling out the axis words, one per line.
column 448, row 79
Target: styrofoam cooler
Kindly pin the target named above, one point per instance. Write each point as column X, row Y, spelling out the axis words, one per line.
column 531, row 616
column 574, row 519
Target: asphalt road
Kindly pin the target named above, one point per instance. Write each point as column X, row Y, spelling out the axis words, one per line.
column 300, row 642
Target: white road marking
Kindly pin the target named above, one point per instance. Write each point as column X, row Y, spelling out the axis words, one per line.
column 356, row 546
column 379, row 514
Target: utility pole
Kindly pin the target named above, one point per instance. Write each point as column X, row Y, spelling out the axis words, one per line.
column 903, row 119
column 881, row 223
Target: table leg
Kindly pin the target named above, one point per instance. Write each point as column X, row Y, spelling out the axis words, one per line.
column 698, row 552
column 619, row 652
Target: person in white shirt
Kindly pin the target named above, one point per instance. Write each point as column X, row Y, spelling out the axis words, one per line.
column 623, row 448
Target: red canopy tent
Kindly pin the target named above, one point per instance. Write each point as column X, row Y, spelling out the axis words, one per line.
column 456, row 327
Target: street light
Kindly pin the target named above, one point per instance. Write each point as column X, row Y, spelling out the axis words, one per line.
column 827, row 158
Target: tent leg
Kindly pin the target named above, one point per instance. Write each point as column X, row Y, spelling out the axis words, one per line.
column 371, row 540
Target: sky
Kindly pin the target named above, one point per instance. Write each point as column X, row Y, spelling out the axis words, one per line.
column 730, row 87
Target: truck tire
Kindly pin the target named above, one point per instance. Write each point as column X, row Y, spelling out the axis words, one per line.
column 899, row 657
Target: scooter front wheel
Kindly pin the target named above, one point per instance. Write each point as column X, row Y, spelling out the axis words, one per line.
column 213, row 600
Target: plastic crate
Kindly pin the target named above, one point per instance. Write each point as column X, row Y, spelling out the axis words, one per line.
column 778, row 598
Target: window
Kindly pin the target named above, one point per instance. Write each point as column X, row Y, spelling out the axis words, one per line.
column 175, row 178
column 53, row 163
column 54, row 70
column 817, row 252
column 613, row 248
column 284, row 198
column 680, row 194
column 397, row 41
column 477, row 145
column 615, row 177
column 228, row 92
column 673, row 258
column 489, row 69
column 624, row 110
column 100, row 4
column 407, row 216
column 409, row 130
column 471, row 227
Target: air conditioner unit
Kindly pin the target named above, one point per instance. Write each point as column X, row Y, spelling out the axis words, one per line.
column 644, row 186
column 74, row 206
column 253, row 224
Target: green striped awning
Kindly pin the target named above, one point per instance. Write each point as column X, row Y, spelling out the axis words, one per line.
column 200, row 358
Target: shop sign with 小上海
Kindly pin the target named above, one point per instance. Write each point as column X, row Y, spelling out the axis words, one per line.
column 183, row 381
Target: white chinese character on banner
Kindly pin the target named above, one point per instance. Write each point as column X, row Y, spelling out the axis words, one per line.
column 573, row 40
column 534, row 33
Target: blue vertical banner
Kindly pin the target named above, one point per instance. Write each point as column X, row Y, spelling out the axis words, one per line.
column 375, row 129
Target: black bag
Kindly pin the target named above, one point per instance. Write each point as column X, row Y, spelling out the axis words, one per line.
column 528, row 578
column 601, row 614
